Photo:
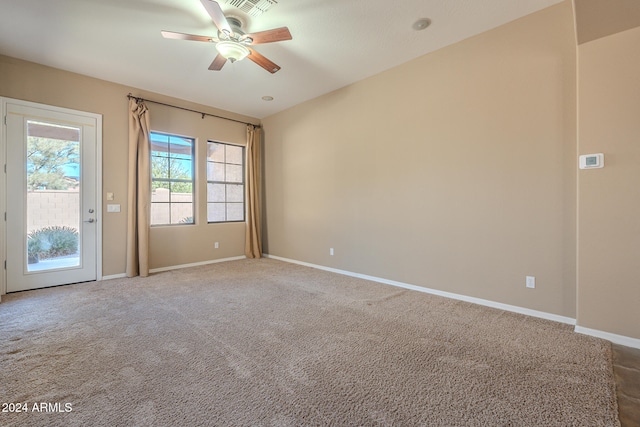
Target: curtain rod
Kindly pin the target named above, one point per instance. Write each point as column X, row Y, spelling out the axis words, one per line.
column 130, row 96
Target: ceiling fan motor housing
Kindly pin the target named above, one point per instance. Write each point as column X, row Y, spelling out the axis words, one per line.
column 235, row 24
column 236, row 35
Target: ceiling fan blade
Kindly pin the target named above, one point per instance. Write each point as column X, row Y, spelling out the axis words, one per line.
column 214, row 10
column 270, row 36
column 218, row 63
column 263, row 62
column 182, row 36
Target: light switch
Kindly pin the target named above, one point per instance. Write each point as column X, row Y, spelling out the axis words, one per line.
column 113, row 208
column 109, row 196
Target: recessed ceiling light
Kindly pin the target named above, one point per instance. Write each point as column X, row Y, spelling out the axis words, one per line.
column 267, row 98
column 421, row 24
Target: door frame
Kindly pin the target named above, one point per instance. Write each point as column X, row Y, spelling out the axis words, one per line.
column 3, row 181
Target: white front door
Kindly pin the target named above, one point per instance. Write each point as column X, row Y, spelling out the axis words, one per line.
column 52, row 203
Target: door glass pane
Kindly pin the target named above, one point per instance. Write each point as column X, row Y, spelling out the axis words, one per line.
column 53, row 196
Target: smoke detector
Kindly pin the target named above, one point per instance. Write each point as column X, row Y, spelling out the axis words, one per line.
column 252, row 7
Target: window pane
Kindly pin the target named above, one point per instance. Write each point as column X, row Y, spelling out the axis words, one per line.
column 160, row 195
column 180, row 147
column 215, row 192
column 159, row 137
column 159, row 167
column 160, row 184
column 235, row 193
column 215, row 171
column 159, row 144
column 159, row 213
column 235, row 211
column 181, row 192
column 161, row 154
column 215, row 152
column 180, row 169
column 210, row 170
column 234, row 173
column 216, row 212
column 234, row 154
column 181, row 213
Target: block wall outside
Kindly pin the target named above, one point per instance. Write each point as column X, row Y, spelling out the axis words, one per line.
column 180, row 209
column 47, row 208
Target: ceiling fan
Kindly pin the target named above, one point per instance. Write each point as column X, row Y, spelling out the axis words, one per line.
column 232, row 43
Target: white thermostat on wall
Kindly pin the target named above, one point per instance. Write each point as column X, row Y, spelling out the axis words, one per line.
column 590, row 161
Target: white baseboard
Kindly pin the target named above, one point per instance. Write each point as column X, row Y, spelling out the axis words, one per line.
column 114, row 276
column 480, row 301
column 195, row 264
column 614, row 338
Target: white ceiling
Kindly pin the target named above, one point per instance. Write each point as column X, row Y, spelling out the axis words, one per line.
column 335, row 43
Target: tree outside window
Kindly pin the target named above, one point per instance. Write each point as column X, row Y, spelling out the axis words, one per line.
column 52, row 164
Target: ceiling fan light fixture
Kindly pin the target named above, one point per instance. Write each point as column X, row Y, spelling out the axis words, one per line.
column 233, row 51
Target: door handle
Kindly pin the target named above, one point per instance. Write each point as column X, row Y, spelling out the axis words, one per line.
column 90, row 220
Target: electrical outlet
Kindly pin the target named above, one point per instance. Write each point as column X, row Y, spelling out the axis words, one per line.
column 216, row 245
column 531, row 282
column 331, row 251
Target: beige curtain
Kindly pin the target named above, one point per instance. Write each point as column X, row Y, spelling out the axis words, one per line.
column 253, row 239
column 139, row 190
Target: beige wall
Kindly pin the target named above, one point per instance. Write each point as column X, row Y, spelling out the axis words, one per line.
column 170, row 245
column 598, row 18
column 455, row 171
column 609, row 198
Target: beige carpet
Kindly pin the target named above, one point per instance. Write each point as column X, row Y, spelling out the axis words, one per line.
column 266, row 343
